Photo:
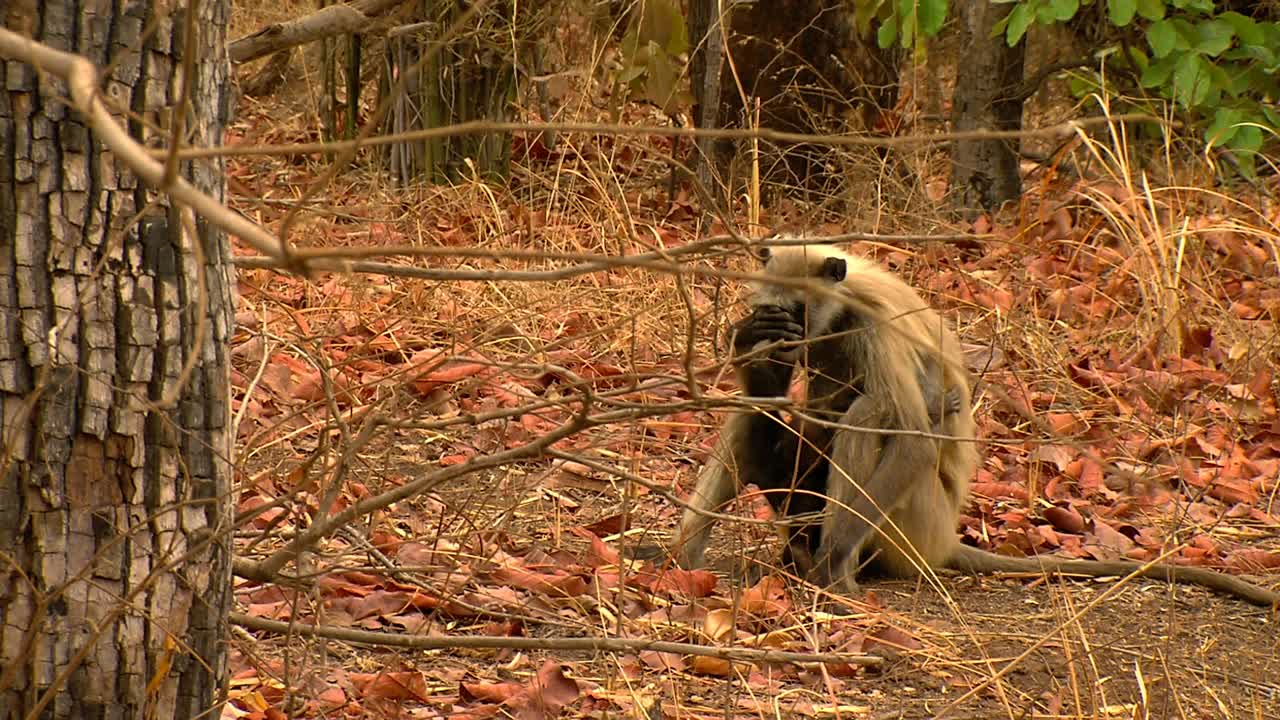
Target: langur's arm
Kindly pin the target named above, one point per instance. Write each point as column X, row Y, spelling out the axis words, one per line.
column 940, row 401
column 871, row 485
column 717, row 485
column 753, row 448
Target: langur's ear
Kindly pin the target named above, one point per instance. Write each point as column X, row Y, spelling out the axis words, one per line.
column 834, row 269
column 762, row 253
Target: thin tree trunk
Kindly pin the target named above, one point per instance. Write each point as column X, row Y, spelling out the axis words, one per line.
column 711, row 157
column 114, row 512
column 984, row 173
column 805, row 63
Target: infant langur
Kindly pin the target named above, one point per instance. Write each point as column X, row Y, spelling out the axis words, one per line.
column 886, row 451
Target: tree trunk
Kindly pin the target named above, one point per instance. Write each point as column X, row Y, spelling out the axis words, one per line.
column 712, row 156
column 473, row 77
column 806, row 64
column 114, row 511
column 984, row 173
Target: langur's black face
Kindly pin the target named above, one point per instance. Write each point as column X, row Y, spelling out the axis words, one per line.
column 795, row 301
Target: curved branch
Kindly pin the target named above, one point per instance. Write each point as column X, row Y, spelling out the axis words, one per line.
column 325, row 22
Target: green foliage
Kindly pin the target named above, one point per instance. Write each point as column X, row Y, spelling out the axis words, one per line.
column 903, row 21
column 656, row 38
column 1218, row 66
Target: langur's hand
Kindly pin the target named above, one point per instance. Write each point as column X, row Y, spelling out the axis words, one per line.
column 767, row 325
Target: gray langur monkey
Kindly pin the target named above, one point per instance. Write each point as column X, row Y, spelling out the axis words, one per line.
column 877, row 357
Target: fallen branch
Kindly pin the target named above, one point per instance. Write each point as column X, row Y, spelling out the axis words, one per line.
column 597, row 644
column 354, row 16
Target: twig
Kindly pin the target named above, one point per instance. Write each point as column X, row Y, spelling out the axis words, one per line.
column 423, row 642
column 475, row 127
column 337, row 259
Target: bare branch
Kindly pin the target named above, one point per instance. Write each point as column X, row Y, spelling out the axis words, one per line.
column 269, row 569
column 425, row 642
column 336, row 259
column 476, row 127
column 325, row 22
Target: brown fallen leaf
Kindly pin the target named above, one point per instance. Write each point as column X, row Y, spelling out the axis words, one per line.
column 767, row 598
column 718, row 667
column 1253, row 560
column 689, row 583
column 401, row 685
column 666, row 661
column 1065, row 519
column 549, row 692
column 889, row 642
column 552, row 585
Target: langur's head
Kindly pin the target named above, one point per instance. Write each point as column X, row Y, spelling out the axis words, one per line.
column 826, row 269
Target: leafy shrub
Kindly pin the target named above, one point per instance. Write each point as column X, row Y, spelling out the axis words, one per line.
column 1217, row 65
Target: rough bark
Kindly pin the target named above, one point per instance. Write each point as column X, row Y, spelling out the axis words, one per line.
column 708, row 51
column 804, row 61
column 114, row 515
column 984, row 173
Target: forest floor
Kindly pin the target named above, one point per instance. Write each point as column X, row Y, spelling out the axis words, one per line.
column 1122, row 327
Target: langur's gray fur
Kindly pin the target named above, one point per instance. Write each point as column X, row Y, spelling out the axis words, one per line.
column 876, row 356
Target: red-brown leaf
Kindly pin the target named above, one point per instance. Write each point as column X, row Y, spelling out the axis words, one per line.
column 1253, row 560
column 403, row 685
column 1065, row 519
column 552, row 585
column 690, row 583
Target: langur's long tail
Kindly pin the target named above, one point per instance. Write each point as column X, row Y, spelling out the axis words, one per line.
column 975, row 561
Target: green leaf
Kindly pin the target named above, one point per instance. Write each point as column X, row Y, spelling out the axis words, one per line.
column 1162, row 37
column 661, row 81
column 1020, row 19
column 1246, row 146
column 1158, row 72
column 1245, row 27
column 662, row 22
column 1247, row 81
column 1185, row 34
column 1224, row 127
column 1272, row 115
column 1248, row 163
column 932, row 14
column 1081, row 86
column 1214, row 37
column 1121, row 11
column 1266, row 57
column 906, row 33
column 1248, row 139
column 999, row 27
column 1135, row 57
column 1064, row 10
column 1191, row 80
column 630, row 72
column 1151, row 9
column 1200, row 6
column 887, row 33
